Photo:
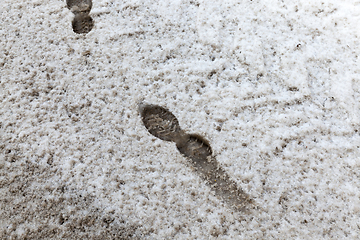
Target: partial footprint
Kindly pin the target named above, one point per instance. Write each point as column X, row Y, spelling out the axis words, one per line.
column 79, row 5
column 82, row 22
column 162, row 124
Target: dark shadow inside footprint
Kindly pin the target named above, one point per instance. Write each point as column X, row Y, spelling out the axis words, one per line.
column 82, row 23
column 160, row 122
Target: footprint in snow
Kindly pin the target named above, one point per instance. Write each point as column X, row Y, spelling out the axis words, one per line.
column 161, row 123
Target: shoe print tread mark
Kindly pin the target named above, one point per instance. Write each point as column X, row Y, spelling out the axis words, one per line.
column 79, row 5
column 82, row 22
column 162, row 124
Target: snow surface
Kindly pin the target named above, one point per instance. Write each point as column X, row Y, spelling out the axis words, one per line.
column 273, row 85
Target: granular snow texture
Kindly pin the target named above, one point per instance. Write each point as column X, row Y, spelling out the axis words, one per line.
column 273, row 86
